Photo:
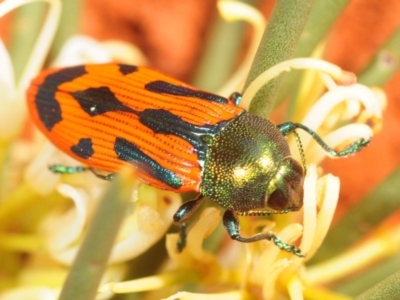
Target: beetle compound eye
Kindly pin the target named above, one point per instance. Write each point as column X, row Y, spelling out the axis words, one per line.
column 286, row 188
column 278, row 200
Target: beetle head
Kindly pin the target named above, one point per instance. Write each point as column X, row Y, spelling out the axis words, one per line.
column 285, row 189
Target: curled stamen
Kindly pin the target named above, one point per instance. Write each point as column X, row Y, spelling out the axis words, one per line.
column 13, row 107
column 43, row 42
column 238, row 11
column 318, row 115
column 60, row 238
column 325, row 104
column 298, row 63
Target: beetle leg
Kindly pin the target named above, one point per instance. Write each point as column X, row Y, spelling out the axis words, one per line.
column 235, row 98
column 67, row 170
column 187, row 208
column 108, row 177
column 231, row 224
column 181, row 244
column 183, row 213
column 71, row 170
column 289, row 127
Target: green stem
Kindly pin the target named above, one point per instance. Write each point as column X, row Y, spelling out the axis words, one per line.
column 24, row 34
column 89, row 265
column 278, row 44
column 69, row 25
column 386, row 289
column 384, row 64
column 322, row 16
column 219, row 55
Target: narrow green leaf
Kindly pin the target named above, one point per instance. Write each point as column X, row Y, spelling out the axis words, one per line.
column 386, row 289
column 27, row 24
column 89, row 265
column 69, row 25
column 369, row 277
column 278, row 44
column 219, row 54
column 322, row 17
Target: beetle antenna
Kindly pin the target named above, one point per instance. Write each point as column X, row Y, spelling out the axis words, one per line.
column 301, row 150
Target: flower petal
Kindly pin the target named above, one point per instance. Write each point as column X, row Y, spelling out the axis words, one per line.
column 309, row 209
column 7, row 80
column 37, row 175
column 31, row 293
column 59, row 235
column 147, row 224
column 12, row 112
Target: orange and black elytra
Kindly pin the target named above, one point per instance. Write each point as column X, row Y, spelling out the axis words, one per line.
column 180, row 139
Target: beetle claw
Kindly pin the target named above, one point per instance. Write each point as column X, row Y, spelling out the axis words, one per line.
column 181, row 244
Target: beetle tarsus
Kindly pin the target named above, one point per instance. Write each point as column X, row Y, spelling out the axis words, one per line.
column 60, row 169
column 181, row 244
column 183, row 213
column 355, row 147
column 287, row 247
column 107, row 177
column 231, row 224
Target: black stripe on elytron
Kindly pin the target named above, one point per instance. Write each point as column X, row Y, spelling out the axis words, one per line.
column 129, row 152
column 163, row 87
column 100, row 100
column 163, row 121
column 84, row 148
column 46, row 103
column 127, row 69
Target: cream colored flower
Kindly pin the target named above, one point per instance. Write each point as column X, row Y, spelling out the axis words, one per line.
column 234, row 270
column 148, row 219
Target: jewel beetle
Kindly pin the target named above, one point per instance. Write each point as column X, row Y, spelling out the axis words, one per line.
column 180, row 138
